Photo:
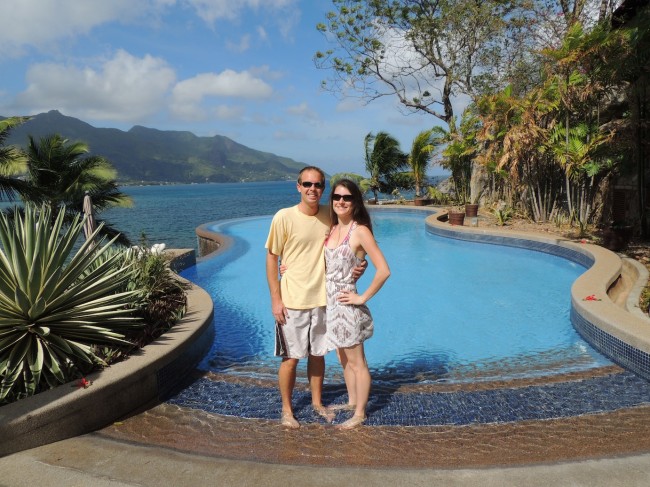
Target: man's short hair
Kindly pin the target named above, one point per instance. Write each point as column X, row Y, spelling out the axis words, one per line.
column 311, row 168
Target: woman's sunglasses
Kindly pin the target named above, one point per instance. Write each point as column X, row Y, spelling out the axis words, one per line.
column 345, row 197
column 309, row 184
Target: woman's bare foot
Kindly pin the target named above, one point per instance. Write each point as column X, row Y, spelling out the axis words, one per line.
column 351, row 423
column 288, row 420
column 342, row 407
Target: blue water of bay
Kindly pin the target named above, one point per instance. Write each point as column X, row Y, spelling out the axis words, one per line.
column 170, row 214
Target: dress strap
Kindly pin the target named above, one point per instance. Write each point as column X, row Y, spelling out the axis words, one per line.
column 347, row 237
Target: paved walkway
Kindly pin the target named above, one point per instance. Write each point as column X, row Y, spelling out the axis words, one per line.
column 91, row 460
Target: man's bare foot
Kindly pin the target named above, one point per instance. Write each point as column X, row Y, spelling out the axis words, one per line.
column 288, row 420
column 324, row 412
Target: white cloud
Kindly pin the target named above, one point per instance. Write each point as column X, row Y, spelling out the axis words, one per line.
column 303, row 111
column 261, row 32
column 287, row 135
column 265, row 72
column 224, row 112
column 37, row 23
column 350, row 104
column 189, row 95
column 212, row 10
column 43, row 23
column 124, row 88
column 288, row 23
column 243, row 45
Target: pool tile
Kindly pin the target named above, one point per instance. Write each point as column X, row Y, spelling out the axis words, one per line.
column 463, row 407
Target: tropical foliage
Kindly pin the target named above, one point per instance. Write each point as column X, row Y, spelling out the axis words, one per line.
column 57, row 303
column 384, row 160
column 12, row 162
column 422, row 149
column 557, row 96
column 160, row 295
column 357, row 178
column 423, row 52
column 60, row 173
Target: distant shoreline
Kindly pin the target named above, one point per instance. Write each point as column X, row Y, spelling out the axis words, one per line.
column 175, row 183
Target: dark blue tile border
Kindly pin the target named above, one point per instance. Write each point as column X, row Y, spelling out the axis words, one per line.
column 614, row 348
column 390, row 408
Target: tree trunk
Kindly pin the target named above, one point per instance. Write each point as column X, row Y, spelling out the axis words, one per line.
column 478, row 182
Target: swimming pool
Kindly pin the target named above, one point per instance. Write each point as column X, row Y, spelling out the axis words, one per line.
column 451, row 311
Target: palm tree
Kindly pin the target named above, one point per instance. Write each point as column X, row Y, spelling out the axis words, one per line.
column 421, row 152
column 12, row 162
column 384, row 159
column 60, row 173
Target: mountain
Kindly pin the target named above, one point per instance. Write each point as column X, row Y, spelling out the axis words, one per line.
column 153, row 156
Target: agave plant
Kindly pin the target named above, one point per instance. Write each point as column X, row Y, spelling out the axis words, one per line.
column 55, row 303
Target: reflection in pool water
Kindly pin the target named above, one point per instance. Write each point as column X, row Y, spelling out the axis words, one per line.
column 451, row 311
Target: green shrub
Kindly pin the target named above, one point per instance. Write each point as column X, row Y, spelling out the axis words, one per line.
column 502, row 212
column 437, row 196
column 56, row 305
column 160, row 294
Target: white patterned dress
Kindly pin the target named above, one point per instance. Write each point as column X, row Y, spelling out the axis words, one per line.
column 347, row 324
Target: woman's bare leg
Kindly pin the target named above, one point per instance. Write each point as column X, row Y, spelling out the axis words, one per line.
column 355, row 359
column 349, row 378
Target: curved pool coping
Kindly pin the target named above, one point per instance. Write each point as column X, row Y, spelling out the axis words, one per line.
column 619, row 333
column 141, row 381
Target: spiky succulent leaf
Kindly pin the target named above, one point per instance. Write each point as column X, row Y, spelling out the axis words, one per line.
column 55, row 301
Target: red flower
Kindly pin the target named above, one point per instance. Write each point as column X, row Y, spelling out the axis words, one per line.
column 591, row 297
column 83, row 382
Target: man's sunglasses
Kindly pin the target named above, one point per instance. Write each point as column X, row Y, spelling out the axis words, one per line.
column 346, row 197
column 309, row 184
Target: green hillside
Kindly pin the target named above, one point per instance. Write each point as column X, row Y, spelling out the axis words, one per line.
column 152, row 156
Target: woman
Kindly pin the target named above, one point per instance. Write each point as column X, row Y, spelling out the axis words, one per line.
column 349, row 322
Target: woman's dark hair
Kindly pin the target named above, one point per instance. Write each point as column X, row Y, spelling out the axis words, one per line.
column 359, row 212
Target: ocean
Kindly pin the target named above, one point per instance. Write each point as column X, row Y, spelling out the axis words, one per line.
column 170, row 214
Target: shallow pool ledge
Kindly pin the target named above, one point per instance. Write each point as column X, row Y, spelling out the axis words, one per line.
column 210, row 243
column 617, row 333
column 142, row 380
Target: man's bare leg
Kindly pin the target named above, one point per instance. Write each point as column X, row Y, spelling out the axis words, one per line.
column 316, row 376
column 287, row 381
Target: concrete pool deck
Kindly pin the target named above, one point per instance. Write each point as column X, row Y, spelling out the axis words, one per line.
column 90, row 460
column 173, row 444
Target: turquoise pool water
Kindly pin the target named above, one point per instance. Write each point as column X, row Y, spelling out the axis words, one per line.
column 451, row 311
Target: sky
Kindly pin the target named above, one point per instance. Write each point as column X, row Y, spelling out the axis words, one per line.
column 239, row 68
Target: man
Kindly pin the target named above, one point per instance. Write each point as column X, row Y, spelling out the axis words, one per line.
column 298, row 300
